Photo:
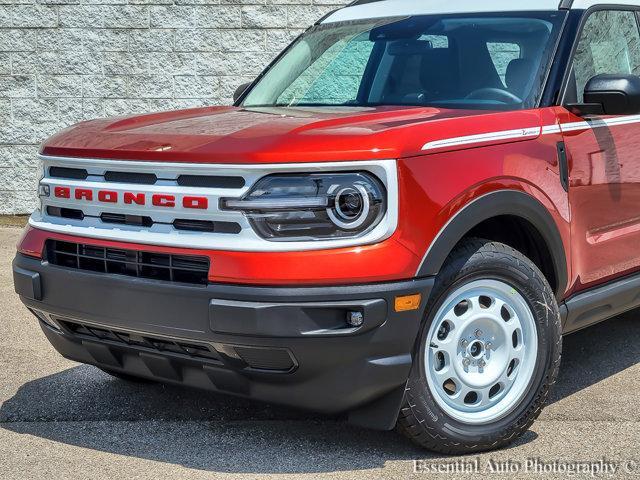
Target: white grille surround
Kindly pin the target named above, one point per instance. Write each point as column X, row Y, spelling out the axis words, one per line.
column 162, row 232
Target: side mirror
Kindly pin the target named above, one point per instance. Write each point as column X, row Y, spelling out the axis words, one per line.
column 239, row 91
column 611, row 95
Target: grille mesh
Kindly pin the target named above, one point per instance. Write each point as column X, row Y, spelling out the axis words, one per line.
column 65, row 172
column 210, row 181
column 130, row 177
column 156, row 266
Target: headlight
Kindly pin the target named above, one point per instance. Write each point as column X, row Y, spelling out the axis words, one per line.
column 291, row 207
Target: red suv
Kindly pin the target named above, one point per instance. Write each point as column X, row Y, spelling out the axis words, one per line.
column 398, row 219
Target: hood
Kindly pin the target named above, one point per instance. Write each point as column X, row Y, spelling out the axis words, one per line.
column 277, row 135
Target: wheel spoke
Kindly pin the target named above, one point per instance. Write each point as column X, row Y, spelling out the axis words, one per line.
column 518, row 353
column 485, row 399
column 444, row 374
column 505, row 379
column 463, row 391
column 511, row 328
column 496, row 307
column 474, row 305
column 449, row 347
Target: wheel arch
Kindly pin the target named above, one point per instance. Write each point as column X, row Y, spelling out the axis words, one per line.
column 495, row 207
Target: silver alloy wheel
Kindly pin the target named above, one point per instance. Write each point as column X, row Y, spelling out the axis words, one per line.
column 481, row 351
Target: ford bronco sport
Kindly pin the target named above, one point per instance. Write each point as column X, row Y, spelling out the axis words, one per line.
column 398, row 219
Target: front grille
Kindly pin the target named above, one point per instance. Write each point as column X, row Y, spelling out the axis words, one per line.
column 206, row 226
column 145, row 221
column 131, row 177
column 73, row 213
column 160, row 204
column 157, row 266
column 71, row 173
column 160, row 344
column 164, row 204
column 120, row 218
column 210, row 181
column 140, row 178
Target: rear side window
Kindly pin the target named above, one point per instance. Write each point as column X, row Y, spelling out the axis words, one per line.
column 610, row 43
column 502, row 54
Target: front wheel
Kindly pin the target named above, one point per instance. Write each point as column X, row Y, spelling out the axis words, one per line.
column 487, row 355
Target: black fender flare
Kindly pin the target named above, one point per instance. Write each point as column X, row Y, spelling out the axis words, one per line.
column 501, row 202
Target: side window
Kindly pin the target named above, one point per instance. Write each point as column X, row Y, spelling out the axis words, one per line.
column 610, row 43
column 502, row 53
column 335, row 77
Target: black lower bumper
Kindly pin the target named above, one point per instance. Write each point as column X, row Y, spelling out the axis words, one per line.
column 291, row 346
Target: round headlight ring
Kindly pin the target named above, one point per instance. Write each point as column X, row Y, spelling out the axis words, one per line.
column 338, row 213
column 349, row 203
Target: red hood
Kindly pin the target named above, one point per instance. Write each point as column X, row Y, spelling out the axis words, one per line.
column 277, row 135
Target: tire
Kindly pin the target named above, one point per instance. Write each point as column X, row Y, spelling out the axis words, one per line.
column 124, row 376
column 435, row 414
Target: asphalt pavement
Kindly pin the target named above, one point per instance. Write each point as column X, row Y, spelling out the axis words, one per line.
column 63, row 420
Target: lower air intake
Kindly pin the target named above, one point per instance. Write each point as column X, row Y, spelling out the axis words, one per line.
column 133, row 263
column 266, row 358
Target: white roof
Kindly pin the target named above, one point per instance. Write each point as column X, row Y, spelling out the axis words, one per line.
column 584, row 4
column 394, row 8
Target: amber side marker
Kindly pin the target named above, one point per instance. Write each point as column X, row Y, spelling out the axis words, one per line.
column 408, row 302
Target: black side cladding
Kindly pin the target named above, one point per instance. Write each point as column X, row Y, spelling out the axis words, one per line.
column 602, row 302
column 502, row 202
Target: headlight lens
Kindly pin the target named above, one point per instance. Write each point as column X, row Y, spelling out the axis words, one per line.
column 294, row 207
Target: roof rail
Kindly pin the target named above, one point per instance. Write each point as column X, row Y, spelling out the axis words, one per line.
column 351, row 4
column 361, row 2
column 326, row 15
column 565, row 4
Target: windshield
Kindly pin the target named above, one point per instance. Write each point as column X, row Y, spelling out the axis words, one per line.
column 472, row 61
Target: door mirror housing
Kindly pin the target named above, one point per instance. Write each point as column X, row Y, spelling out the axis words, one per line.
column 240, row 90
column 610, row 95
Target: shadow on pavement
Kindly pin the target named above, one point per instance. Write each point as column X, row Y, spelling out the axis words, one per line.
column 226, row 434
column 596, row 353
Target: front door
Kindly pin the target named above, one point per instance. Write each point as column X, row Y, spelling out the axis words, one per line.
column 604, row 155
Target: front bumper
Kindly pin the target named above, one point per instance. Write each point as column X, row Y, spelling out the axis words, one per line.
column 286, row 345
